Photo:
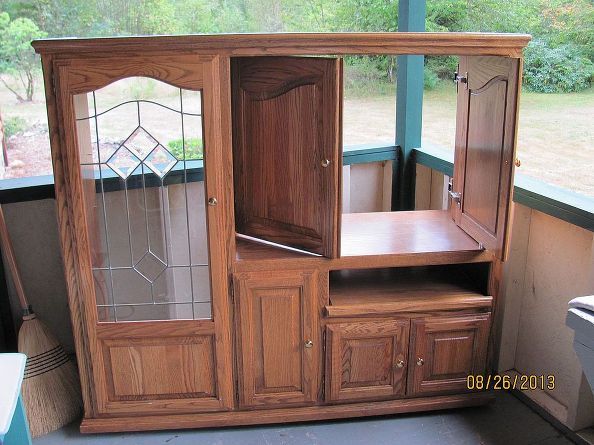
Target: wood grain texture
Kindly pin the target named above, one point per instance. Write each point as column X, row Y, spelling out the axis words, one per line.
column 303, row 414
column 363, row 292
column 182, row 71
column 276, row 315
column 362, row 360
column 285, row 123
column 485, row 148
column 289, row 44
column 451, row 348
column 381, row 239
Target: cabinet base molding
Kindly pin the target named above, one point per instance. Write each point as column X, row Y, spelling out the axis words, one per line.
column 283, row 415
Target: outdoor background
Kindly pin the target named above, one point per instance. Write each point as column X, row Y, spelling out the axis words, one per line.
column 556, row 139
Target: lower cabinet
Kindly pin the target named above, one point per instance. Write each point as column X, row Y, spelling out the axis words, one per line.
column 444, row 351
column 366, row 360
column 382, row 359
column 278, row 338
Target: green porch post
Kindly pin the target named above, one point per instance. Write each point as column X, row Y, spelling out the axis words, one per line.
column 409, row 106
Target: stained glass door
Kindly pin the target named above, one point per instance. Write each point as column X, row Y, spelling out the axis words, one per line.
column 150, row 141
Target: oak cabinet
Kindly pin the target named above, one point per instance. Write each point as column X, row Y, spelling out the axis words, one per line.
column 366, row 360
column 444, row 351
column 205, row 251
column 277, row 338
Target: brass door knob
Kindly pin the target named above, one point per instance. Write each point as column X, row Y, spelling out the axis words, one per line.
column 308, row 344
column 420, row 361
column 325, row 162
column 212, row 201
column 400, row 364
column 517, row 162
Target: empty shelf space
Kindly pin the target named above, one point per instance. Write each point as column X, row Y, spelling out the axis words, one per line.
column 400, row 233
column 409, row 289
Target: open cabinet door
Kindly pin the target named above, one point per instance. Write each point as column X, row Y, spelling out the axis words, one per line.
column 485, row 146
column 287, row 150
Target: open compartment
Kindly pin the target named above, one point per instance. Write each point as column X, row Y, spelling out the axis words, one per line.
column 376, row 292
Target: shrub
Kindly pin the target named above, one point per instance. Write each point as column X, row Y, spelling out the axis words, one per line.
column 430, row 79
column 14, row 125
column 194, row 149
column 443, row 66
column 556, row 70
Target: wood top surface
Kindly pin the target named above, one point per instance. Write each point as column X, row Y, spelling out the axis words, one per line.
column 388, row 233
column 380, row 239
column 298, row 44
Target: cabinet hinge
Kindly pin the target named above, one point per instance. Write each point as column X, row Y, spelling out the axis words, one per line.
column 54, row 83
column 232, row 290
column 455, row 196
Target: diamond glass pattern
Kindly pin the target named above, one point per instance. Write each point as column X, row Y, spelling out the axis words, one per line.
column 160, row 161
column 140, row 142
column 123, row 162
column 150, row 267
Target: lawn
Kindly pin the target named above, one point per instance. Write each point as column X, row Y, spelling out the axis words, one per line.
column 555, row 142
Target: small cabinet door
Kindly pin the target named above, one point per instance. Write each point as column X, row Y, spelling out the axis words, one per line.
column 444, row 351
column 277, row 338
column 485, row 145
column 366, row 360
column 287, row 150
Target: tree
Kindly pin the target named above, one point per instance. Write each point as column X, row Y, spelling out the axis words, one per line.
column 16, row 54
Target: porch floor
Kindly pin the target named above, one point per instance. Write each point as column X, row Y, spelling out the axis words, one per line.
column 506, row 421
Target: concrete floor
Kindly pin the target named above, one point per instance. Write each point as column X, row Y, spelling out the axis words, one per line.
column 506, row 421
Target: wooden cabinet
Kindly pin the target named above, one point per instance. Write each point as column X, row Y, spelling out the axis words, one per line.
column 201, row 242
column 278, row 338
column 366, row 360
column 444, row 351
column 287, row 151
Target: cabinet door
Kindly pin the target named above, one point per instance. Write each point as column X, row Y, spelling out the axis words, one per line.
column 444, row 351
column 366, row 360
column 485, row 145
column 287, row 151
column 146, row 257
column 277, row 338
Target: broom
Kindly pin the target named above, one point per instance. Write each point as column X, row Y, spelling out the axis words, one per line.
column 51, row 387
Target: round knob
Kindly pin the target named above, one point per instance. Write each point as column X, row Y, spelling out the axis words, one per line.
column 517, row 162
column 325, row 162
column 420, row 361
column 308, row 344
column 212, row 201
column 400, row 364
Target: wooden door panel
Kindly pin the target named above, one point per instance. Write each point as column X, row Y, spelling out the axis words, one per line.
column 485, row 146
column 139, row 366
column 366, row 360
column 276, row 316
column 444, row 351
column 161, row 369
column 286, row 122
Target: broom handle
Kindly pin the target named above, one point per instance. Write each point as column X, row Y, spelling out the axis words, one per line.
column 10, row 258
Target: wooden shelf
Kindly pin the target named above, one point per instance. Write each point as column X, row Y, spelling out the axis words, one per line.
column 380, row 239
column 389, row 291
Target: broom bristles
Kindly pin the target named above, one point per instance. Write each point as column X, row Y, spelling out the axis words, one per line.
column 51, row 387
